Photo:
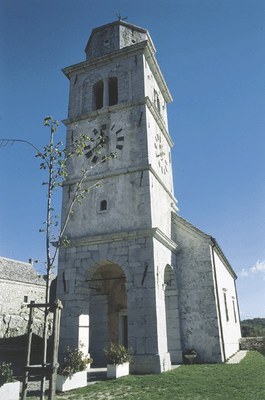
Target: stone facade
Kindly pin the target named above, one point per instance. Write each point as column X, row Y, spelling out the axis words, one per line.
column 19, row 285
column 209, row 321
column 134, row 271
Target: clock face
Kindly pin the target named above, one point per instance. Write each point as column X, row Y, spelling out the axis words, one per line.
column 161, row 154
column 98, row 149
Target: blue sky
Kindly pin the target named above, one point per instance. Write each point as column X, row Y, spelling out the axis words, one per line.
column 212, row 55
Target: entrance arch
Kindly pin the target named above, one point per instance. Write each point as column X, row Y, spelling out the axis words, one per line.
column 107, row 310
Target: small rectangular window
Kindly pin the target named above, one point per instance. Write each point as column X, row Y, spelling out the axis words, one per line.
column 234, row 309
column 226, row 309
column 26, row 299
column 103, row 205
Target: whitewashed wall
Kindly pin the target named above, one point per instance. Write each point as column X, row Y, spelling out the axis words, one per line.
column 231, row 327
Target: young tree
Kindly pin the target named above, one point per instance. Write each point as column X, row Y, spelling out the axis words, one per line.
column 54, row 159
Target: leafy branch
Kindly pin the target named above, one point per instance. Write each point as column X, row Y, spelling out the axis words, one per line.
column 54, row 159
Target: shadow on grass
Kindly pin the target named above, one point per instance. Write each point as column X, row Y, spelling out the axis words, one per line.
column 262, row 352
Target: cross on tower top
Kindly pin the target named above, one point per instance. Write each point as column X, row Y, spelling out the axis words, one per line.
column 120, row 18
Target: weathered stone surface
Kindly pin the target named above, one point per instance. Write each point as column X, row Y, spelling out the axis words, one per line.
column 144, row 276
column 19, row 284
column 252, row 343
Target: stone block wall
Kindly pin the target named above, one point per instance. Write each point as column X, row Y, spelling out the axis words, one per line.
column 14, row 314
column 197, row 303
column 252, row 343
column 76, row 285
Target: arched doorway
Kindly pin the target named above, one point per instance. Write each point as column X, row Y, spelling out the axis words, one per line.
column 172, row 315
column 107, row 310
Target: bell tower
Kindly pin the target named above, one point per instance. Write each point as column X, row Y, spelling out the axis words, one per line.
column 112, row 273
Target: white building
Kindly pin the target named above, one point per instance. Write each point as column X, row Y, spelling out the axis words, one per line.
column 135, row 271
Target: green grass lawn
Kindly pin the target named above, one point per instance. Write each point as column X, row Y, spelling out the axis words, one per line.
column 243, row 381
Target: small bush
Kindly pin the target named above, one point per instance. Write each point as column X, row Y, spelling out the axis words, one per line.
column 6, row 373
column 190, row 352
column 74, row 360
column 117, row 354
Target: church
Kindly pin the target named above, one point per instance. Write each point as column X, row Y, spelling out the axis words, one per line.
column 134, row 271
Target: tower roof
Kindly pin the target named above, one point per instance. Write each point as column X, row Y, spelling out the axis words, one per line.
column 115, row 36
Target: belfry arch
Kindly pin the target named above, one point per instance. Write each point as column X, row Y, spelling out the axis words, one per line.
column 107, row 309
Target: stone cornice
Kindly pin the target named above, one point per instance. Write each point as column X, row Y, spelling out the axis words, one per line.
column 92, row 115
column 108, row 174
column 97, row 62
column 165, row 240
column 150, row 58
column 139, row 48
column 119, row 236
column 159, row 121
column 162, row 183
column 122, row 171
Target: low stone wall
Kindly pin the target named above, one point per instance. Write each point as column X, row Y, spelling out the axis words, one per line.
column 252, row 343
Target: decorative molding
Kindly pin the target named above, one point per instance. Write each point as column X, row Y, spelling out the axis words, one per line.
column 123, row 171
column 165, row 240
column 143, row 47
column 159, row 120
column 120, row 236
column 105, row 175
column 92, row 115
column 96, row 63
column 150, row 58
column 164, row 186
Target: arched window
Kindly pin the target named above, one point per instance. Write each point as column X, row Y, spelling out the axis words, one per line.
column 105, row 93
column 98, row 90
column 113, row 91
column 103, row 205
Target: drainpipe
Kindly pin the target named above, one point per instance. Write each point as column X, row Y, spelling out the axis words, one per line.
column 218, row 300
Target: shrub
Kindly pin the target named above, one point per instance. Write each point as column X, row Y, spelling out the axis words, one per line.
column 117, row 354
column 6, row 373
column 190, row 352
column 74, row 360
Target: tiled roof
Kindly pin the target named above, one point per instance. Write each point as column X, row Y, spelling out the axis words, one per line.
column 13, row 270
